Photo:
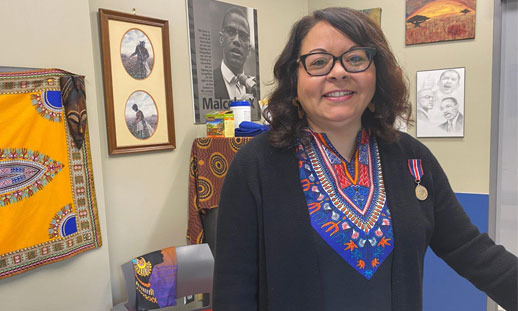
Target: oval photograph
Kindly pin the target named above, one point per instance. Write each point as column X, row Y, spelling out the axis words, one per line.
column 137, row 54
column 141, row 115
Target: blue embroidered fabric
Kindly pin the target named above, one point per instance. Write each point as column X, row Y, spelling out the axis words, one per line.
column 346, row 200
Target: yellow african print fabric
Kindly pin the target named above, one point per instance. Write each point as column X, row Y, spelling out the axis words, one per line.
column 47, row 197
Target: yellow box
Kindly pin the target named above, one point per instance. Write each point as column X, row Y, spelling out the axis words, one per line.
column 220, row 123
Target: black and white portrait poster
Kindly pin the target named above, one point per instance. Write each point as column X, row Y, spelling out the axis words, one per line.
column 224, row 56
column 440, row 103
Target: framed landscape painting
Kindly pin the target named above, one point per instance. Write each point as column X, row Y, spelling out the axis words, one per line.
column 374, row 14
column 439, row 20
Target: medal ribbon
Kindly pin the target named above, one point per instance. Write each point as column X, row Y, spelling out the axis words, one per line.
column 416, row 169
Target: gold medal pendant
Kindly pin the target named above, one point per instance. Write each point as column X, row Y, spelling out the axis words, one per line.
column 420, row 192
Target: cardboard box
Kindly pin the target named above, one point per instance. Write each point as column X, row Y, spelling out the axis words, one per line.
column 220, row 123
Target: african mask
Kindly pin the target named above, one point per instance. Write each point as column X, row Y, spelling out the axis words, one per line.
column 74, row 100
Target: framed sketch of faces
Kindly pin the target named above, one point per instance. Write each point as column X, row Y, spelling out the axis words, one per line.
column 440, row 103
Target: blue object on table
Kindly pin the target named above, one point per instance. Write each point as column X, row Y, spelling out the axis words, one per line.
column 247, row 129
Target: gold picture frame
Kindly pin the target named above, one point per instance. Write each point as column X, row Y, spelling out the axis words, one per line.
column 137, row 83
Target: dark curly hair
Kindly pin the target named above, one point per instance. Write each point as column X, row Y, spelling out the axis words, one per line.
column 390, row 98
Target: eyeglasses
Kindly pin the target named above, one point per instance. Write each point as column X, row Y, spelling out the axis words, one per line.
column 231, row 32
column 357, row 59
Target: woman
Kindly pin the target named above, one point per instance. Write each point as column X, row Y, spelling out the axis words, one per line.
column 323, row 211
column 142, row 129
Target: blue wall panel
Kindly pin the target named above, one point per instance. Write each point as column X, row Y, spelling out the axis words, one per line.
column 443, row 288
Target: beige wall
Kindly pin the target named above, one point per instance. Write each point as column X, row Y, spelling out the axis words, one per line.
column 57, row 34
column 465, row 160
column 142, row 198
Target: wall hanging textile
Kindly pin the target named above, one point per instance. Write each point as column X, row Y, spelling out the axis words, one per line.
column 47, row 199
column 210, row 159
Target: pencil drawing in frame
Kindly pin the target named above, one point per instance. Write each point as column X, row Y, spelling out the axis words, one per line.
column 137, row 82
column 440, row 103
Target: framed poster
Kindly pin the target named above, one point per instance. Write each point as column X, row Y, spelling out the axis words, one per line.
column 224, row 56
column 439, row 20
column 137, row 82
column 440, row 103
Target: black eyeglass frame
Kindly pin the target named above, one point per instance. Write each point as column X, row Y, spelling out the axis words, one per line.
column 231, row 32
column 371, row 53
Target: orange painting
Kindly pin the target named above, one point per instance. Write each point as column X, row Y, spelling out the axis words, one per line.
column 439, row 20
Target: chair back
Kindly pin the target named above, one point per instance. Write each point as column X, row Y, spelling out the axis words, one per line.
column 194, row 276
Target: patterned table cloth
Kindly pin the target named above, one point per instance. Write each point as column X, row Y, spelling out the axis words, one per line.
column 210, row 159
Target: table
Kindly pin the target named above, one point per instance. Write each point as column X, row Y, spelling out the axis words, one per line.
column 209, row 162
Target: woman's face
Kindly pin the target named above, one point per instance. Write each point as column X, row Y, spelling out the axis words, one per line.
column 335, row 101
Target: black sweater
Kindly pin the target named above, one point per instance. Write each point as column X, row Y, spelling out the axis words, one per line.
column 266, row 258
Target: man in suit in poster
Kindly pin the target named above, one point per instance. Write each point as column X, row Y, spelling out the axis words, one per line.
column 230, row 81
column 454, row 123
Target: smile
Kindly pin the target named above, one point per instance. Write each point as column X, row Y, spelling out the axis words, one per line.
column 338, row 94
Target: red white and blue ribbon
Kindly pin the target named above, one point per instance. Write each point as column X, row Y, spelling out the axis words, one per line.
column 416, row 169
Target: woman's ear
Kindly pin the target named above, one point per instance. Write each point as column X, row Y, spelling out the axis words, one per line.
column 297, row 104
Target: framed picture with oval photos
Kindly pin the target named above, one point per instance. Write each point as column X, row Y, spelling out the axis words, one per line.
column 137, row 82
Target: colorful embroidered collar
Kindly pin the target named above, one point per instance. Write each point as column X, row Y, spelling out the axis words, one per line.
column 346, row 200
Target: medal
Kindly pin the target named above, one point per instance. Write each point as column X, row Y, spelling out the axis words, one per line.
column 416, row 170
column 420, row 192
